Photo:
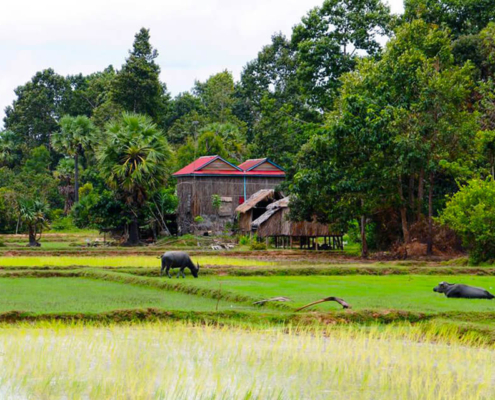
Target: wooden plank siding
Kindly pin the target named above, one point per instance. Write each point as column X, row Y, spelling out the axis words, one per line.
column 219, row 165
column 266, row 166
column 195, row 196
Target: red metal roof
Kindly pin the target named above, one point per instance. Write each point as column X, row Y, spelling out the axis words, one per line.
column 195, row 165
column 251, row 163
column 195, row 168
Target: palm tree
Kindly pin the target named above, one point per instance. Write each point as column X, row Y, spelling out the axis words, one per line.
column 32, row 213
column 76, row 134
column 134, row 161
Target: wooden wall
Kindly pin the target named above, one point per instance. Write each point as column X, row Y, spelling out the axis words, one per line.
column 195, row 194
column 279, row 225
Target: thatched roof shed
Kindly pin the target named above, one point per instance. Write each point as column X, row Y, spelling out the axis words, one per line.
column 275, row 223
column 259, row 196
column 254, row 207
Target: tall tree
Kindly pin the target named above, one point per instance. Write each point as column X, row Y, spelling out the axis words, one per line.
column 76, row 134
column 134, row 160
column 462, row 17
column 34, row 114
column 137, row 87
column 330, row 39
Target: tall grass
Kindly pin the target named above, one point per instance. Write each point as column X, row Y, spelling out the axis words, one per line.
column 180, row 361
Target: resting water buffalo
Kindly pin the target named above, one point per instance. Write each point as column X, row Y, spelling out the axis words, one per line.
column 178, row 259
column 459, row 291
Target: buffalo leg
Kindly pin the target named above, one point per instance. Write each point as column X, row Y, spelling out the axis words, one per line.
column 168, row 271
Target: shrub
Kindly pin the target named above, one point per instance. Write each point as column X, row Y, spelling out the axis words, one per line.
column 216, row 202
column 198, row 219
column 471, row 214
column 257, row 245
column 65, row 224
column 244, row 240
column 2, row 244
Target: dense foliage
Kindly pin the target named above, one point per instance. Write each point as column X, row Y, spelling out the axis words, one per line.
column 375, row 137
column 471, row 213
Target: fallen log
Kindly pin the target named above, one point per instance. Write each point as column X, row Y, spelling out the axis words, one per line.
column 342, row 302
column 280, row 298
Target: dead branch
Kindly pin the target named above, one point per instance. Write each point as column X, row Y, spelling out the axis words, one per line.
column 281, row 298
column 338, row 300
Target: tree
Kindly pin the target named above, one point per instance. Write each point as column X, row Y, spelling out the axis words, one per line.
column 137, row 87
column 217, row 96
column 432, row 124
column 33, row 214
column 471, row 214
column 76, row 134
column 462, row 17
column 231, row 137
column 134, row 160
column 34, row 114
column 10, row 149
column 342, row 172
column 280, row 133
column 163, row 203
column 65, row 173
column 398, row 121
column 330, row 39
column 208, row 144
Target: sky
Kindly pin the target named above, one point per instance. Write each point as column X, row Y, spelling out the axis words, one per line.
column 194, row 38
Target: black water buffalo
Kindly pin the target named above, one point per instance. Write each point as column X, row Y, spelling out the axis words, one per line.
column 178, row 259
column 460, row 291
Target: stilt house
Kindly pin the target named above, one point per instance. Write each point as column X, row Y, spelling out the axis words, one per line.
column 274, row 223
column 212, row 177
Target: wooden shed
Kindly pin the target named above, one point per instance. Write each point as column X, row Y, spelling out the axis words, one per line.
column 200, row 181
column 255, row 207
column 275, row 223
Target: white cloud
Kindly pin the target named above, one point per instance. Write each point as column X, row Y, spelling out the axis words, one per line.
column 195, row 38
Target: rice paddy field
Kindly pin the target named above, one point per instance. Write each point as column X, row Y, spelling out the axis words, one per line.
column 180, row 361
column 86, row 323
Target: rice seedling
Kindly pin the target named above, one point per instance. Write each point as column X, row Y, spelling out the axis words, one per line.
column 81, row 295
column 183, row 361
column 399, row 292
column 122, row 261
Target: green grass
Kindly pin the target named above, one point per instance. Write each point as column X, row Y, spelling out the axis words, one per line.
column 120, row 261
column 80, row 295
column 409, row 292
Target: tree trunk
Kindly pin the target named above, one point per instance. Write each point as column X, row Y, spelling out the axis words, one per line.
column 364, row 243
column 421, row 192
column 403, row 214
column 133, row 239
column 32, row 238
column 411, row 200
column 429, row 248
column 76, row 178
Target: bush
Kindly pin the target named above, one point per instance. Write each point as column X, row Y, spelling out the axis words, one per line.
column 65, row 224
column 2, row 244
column 471, row 214
column 198, row 219
column 257, row 245
column 244, row 240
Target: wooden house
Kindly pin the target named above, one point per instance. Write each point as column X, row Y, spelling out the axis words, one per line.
column 275, row 223
column 212, row 177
